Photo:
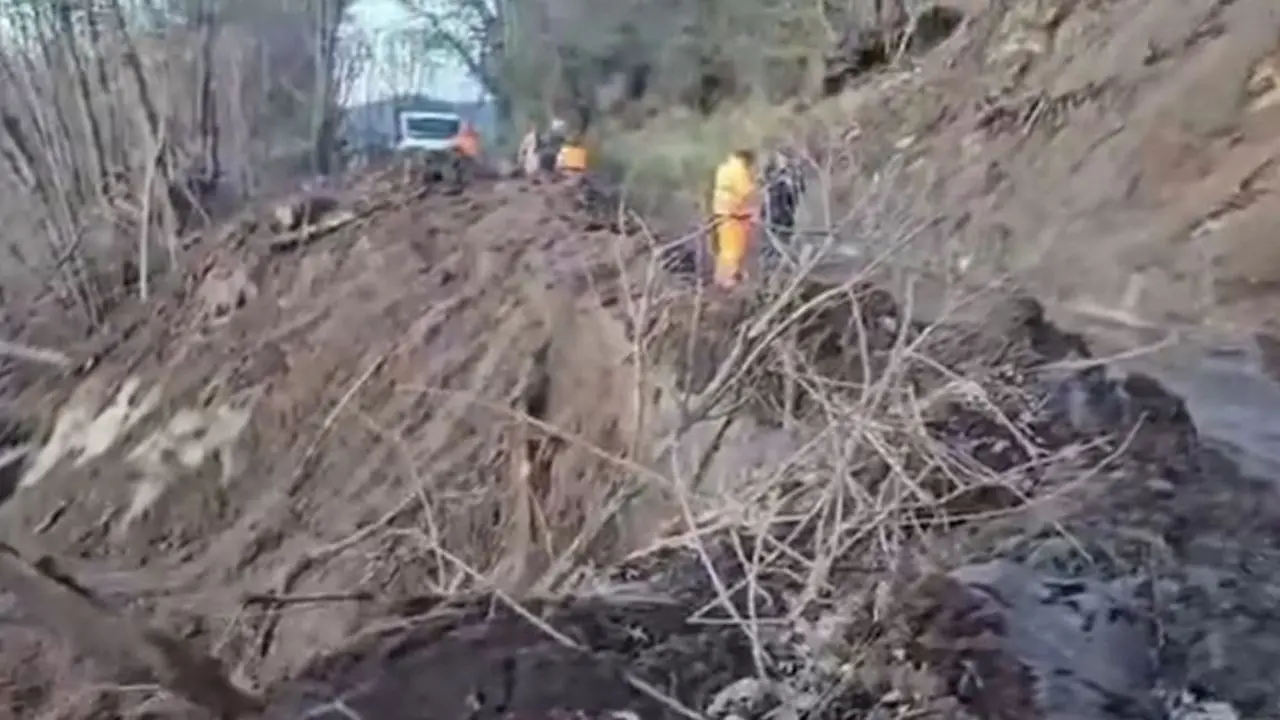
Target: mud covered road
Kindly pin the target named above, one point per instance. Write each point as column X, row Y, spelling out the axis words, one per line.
column 1230, row 381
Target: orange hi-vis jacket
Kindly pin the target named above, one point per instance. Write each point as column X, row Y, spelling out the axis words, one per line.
column 735, row 192
column 468, row 142
column 572, row 157
column 733, row 205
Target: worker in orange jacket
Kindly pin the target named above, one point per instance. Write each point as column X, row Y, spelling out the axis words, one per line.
column 734, row 205
column 468, row 142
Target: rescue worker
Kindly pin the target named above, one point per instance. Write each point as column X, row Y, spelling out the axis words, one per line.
column 784, row 184
column 571, row 161
column 527, row 153
column 734, row 204
column 549, row 148
column 466, row 156
column 468, row 142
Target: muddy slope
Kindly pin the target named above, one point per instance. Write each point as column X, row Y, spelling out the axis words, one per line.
column 274, row 410
column 1095, row 558
column 1124, row 152
column 316, row 457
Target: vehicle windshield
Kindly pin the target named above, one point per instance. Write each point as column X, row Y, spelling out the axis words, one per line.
column 430, row 128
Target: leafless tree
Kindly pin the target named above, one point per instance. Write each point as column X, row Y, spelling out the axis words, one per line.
column 121, row 124
column 206, row 21
column 326, row 18
column 478, row 34
column 577, row 56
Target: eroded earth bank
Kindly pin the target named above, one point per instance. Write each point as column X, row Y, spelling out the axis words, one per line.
column 474, row 456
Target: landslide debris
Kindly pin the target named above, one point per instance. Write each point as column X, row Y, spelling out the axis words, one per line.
column 738, row 624
column 238, row 428
column 422, row 457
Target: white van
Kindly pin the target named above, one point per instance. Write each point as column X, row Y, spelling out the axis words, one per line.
column 428, row 131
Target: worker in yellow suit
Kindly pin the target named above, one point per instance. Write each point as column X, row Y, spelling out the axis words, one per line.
column 572, row 158
column 733, row 208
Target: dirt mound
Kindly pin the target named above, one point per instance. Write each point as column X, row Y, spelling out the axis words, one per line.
column 280, row 404
column 350, row 414
column 739, row 624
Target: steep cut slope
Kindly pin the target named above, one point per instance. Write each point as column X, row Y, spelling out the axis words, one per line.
column 1120, row 155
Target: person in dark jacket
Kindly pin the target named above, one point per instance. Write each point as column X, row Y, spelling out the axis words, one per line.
column 549, row 148
column 784, row 184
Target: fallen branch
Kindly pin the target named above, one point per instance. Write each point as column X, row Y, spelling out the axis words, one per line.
column 35, row 354
column 302, row 221
column 133, row 655
column 312, row 230
column 274, row 601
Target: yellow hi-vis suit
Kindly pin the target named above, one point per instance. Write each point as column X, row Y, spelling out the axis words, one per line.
column 572, row 158
column 733, row 210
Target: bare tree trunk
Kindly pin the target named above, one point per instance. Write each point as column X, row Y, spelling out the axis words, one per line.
column 134, row 64
column 164, row 157
column 20, row 158
column 208, row 111
column 93, row 23
column 40, row 151
column 87, row 111
column 64, row 139
column 324, row 111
